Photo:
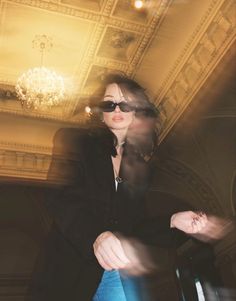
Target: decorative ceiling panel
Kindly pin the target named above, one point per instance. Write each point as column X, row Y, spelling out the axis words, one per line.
column 118, row 44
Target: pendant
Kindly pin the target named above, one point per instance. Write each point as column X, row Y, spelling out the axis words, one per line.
column 119, row 179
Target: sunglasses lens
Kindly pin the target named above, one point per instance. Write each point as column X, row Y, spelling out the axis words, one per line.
column 107, row 106
column 125, row 107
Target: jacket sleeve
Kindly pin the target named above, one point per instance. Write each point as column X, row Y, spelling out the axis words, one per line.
column 157, row 231
column 66, row 199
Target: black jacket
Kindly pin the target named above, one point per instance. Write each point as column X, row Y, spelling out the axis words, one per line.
column 84, row 203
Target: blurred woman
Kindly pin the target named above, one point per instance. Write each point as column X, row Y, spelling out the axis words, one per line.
column 100, row 176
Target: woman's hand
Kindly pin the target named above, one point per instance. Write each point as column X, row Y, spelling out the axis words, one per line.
column 188, row 221
column 109, row 252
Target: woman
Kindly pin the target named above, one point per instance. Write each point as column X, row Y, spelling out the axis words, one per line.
column 103, row 172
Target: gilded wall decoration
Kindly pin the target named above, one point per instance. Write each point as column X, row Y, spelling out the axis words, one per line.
column 202, row 59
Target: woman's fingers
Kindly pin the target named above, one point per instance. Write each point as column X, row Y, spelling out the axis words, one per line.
column 103, row 263
column 110, row 254
column 109, row 251
column 196, row 225
column 189, row 221
column 202, row 217
column 119, row 252
column 199, row 222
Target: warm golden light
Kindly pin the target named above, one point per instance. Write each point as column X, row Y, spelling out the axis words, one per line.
column 138, row 4
column 40, row 88
column 87, row 109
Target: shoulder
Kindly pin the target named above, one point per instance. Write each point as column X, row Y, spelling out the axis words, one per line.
column 70, row 140
column 82, row 140
column 69, row 134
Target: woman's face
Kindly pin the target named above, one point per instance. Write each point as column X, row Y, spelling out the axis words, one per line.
column 117, row 119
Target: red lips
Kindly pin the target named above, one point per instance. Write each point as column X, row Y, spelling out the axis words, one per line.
column 117, row 118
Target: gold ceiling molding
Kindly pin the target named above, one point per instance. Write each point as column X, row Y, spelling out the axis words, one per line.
column 127, row 25
column 201, row 61
column 59, row 8
column 117, row 65
column 105, row 14
column 14, row 146
column 34, row 114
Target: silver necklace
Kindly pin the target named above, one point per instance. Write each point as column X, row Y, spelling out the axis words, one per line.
column 118, row 179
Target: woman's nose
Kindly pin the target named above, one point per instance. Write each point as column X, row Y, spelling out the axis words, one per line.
column 117, row 109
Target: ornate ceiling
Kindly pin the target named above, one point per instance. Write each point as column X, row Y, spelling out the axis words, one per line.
column 90, row 38
column 170, row 47
column 174, row 41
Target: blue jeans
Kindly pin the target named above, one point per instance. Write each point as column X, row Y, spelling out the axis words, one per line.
column 115, row 287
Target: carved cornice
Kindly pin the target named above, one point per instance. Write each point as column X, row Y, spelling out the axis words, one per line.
column 197, row 61
column 208, row 199
column 24, row 164
column 14, row 146
column 116, row 65
column 40, row 115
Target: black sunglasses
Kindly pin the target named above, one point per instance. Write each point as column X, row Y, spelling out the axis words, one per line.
column 110, row 106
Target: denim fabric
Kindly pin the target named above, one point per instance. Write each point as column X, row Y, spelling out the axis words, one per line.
column 114, row 287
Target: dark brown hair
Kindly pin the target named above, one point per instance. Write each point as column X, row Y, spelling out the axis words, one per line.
column 130, row 89
column 144, row 111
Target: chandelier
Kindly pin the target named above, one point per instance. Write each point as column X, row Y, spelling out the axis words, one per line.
column 40, row 88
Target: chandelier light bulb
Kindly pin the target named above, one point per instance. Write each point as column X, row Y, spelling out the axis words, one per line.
column 87, row 109
column 138, row 4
